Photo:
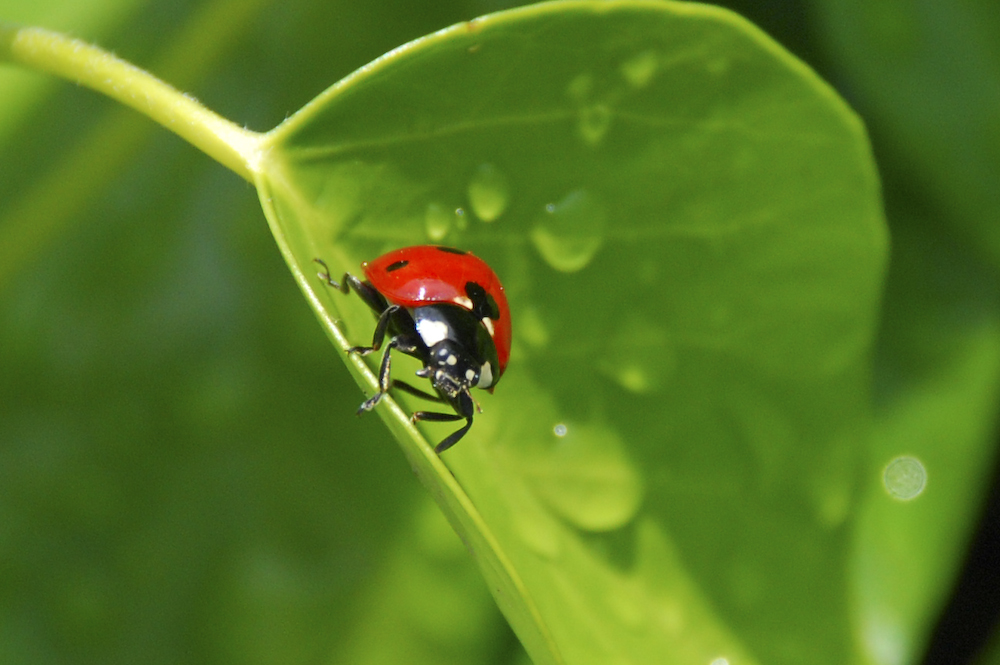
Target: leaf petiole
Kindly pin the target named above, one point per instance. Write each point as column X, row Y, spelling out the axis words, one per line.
column 236, row 148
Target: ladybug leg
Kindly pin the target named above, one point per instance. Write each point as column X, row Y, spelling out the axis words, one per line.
column 380, row 328
column 401, row 342
column 452, row 438
column 416, row 392
column 365, row 291
column 341, row 286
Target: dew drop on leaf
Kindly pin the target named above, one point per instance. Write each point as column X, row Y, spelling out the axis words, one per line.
column 489, row 192
column 568, row 234
column 437, row 221
column 639, row 356
column 531, row 329
column 639, row 71
column 460, row 221
column 579, row 87
column 594, row 122
column 905, row 478
column 586, row 478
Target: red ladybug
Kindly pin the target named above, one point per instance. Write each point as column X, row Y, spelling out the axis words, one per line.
column 446, row 308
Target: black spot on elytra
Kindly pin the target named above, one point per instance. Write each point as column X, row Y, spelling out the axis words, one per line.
column 452, row 250
column 392, row 267
column 483, row 304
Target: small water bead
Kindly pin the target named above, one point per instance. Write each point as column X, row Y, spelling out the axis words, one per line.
column 639, row 71
column 635, row 377
column 532, row 329
column 437, row 221
column 720, row 661
column 580, row 87
column 461, row 223
column 568, row 233
column 489, row 192
column 639, row 356
column 594, row 122
column 718, row 66
column 905, row 478
column 587, row 478
column 559, row 430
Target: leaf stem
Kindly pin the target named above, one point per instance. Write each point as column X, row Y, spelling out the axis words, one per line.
column 232, row 146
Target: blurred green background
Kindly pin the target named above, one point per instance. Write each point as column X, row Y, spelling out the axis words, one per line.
column 178, row 480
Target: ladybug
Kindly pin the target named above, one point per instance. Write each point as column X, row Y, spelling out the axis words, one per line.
column 445, row 307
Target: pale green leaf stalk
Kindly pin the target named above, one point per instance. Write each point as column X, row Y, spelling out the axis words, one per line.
column 232, row 146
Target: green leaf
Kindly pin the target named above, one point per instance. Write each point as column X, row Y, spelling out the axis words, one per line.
column 688, row 225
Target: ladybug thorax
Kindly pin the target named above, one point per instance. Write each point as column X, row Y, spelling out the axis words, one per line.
column 460, row 351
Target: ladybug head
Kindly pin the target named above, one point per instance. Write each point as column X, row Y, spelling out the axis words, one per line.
column 453, row 372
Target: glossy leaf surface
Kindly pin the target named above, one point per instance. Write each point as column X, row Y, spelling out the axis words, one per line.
column 688, row 226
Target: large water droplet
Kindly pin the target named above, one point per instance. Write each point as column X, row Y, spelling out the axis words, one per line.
column 718, row 66
column 586, row 478
column 905, row 478
column 580, row 87
column 639, row 71
column 437, row 221
column 569, row 233
column 594, row 122
column 531, row 329
column 489, row 192
column 639, row 356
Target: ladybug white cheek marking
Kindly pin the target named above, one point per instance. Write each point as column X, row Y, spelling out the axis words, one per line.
column 462, row 301
column 432, row 332
column 485, row 376
column 488, row 322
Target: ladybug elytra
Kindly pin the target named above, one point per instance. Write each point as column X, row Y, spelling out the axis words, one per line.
column 446, row 308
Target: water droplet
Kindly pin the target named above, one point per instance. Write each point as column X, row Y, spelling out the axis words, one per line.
column 639, row 71
column 639, row 355
column 905, row 478
column 460, row 220
column 586, row 478
column 635, row 377
column 594, row 123
column 531, row 329
column 569, row 233
column 579, row 88
column 718, row 66
column 489, row 192
column 437, row 221
column 559, row 430
column 720, row 661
